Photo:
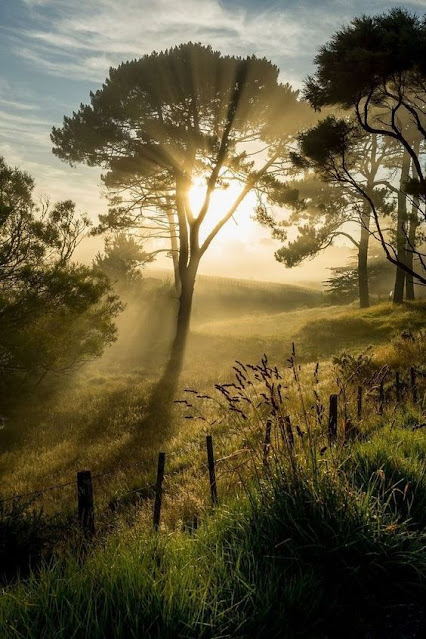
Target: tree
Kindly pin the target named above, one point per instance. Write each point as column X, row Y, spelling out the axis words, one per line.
column 323, row 210
column 331, row 148
column 342, row 286
column 31, row 234
column 122, row 260
column 160, row 123
column 53, row 314
column 376, row 68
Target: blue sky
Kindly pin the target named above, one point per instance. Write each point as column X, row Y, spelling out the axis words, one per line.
column 53, row 52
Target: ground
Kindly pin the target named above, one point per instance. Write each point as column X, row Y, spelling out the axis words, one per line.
column 369, row 494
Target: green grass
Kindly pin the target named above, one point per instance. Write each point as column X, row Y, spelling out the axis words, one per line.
column 289, row 559
column 96, row 418
column 336, row 331
column 326, row 543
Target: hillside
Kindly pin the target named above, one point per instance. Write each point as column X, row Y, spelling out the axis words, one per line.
column 221, row 297
column 304, row 527
column 298, row 535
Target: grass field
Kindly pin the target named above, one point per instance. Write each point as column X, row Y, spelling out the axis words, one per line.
column 93, row 419
column 320, row 543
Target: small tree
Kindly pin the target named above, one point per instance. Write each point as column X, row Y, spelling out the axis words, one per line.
column 123, row 259
column 162, row 122
column 342, row 285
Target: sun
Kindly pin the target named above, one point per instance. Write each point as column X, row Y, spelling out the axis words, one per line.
column 240, row 225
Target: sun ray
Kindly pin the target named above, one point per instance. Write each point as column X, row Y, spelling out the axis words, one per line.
column 221, row 201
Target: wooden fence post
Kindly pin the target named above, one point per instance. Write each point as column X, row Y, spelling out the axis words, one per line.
column 332, row 419
column 267, row 442
column 86, row 516
column 359, row 403
column 212, row 471
column 159, row 489
column 413, row 384
column 397, row 387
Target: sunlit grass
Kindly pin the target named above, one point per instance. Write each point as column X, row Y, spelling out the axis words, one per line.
column 291, row 555
column 291, row 546
column 96, row 419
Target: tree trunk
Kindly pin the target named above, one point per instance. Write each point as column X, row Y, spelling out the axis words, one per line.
column 414, row 223
column 177, row 353
column 411, row 243
column 364, row 296
column 165, row 390
column 398, row 293
column 174, row 248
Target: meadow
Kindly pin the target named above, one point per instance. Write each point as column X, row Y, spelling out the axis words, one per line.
column 318, row 541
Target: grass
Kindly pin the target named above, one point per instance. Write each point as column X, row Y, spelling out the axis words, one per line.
column 94, row 419
column 308, row 553
column 321, row 542
column 359, row 328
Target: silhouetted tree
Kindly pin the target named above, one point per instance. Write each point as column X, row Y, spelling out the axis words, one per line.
column 123, row 259
column 326, row 209
column 376, row 68
column 53, row 314
column 342, row 286
column 160, row 123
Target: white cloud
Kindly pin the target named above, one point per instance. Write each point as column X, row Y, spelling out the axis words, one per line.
column 20, row 119
column 82, row 39
column 20, row 106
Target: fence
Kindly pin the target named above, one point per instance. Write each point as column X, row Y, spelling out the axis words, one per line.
column 84, row 479
column 85, row 490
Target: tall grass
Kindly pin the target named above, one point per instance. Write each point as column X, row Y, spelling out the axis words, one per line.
column 304, row 554
column 312, row 540
column 320, row 540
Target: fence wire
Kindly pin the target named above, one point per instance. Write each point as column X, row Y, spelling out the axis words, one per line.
column 167, row 476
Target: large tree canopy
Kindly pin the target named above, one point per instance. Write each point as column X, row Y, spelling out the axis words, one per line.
column 161, row 122
column 366, row 57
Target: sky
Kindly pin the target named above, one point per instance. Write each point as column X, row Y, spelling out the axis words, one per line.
column 54, row 52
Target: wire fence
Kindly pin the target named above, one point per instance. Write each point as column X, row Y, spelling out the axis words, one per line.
column 216, row 468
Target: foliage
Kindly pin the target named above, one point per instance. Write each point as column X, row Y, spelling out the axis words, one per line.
column 27, row 537
column 54, row 319
column 159, row 124
column 342, row 286
column 366, row 55
column 375, row 68
column 122, row 260
column 156, row 136
column 53, row 314
column 408, row 348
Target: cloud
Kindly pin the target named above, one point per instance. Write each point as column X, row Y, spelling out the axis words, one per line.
column 20, row 119
column 78, row 40
column 82, row 39
column 12, row 104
